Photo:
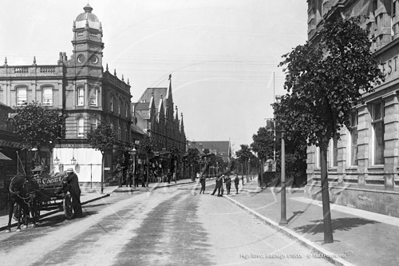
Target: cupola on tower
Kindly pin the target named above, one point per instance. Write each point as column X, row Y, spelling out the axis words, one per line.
column 87, row 44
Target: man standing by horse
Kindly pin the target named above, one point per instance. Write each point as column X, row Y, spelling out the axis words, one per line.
column 71, row 183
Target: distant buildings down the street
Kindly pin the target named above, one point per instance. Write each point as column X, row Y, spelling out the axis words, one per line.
column 219, row 148
column 363, row 166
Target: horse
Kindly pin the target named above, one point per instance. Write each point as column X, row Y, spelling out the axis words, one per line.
column 22, row 201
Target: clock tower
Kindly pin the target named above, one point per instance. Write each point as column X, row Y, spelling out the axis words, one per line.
column 87, row 45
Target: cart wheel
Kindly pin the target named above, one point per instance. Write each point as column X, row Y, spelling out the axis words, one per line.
column 68, row 210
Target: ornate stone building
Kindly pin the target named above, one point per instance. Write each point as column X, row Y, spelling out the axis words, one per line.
column 79, row 86
column 158, row 117
column 363, row 164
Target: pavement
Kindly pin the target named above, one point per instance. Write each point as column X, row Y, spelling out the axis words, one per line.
column 360, row 237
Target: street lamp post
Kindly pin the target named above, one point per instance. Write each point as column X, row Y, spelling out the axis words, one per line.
column 133, row 153
column 283, row 220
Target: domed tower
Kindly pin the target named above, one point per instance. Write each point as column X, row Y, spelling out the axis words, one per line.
column 87, row 44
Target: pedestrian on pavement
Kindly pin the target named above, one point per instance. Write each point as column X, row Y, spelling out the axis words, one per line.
column 242, row 178
column 236, row 182
column 202, row 181
column 129, row 178
column 119, row 174
column 143, row 179
column 227, row 180
column 71, row 184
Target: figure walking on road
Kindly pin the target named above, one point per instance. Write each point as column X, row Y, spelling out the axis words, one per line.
column 219, row 183
column 202, row 181
column 227, row 180
column 236, row 182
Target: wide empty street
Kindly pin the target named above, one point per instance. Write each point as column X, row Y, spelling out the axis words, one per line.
column 166, row 226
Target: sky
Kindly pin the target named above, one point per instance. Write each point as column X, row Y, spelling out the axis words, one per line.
column 223, row 55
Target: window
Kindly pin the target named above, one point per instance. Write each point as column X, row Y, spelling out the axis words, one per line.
column 317, row 157
column 377, row 113
column 119, row 132
column 81, row 127
column 21, row 96
column 93, row 97
column 47, row 97
column 352, row 140
column 111, row 103
column 334, row 152
column 119, row 107
column 81, row 97
column 93, row 123
column 126, row 109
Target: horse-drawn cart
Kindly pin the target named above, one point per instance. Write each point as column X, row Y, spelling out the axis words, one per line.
column 50, row 194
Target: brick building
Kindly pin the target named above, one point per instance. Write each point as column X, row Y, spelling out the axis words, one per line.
column 363, row 165
column 79, row 86
column 156, row 114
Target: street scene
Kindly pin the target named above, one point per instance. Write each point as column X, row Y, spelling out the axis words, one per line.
column 213, row 132
column 166, row 226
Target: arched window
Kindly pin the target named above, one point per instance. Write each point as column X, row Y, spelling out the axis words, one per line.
column 81, row 96
column 47, row 96
column 81, row 129
column 21, row 96
column 111, row 103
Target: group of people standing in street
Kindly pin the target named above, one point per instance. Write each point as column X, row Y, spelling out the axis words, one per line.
column 219, row 184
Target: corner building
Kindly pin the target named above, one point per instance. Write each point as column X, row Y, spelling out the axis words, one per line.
column 363, row 166
column 86, row 93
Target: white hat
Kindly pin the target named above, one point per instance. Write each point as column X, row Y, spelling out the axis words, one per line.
column 69, row 170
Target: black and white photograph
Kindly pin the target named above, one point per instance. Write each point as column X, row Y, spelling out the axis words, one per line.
column 199, row 132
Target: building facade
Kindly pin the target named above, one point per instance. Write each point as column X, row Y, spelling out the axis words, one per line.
column 157, row 115
column 363, row 165
column 81, row 88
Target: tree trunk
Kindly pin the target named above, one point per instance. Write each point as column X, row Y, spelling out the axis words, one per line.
column 328, row 232
column 102, row 173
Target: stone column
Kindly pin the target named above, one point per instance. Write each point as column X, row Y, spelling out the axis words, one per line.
column 363, row 140
column 391, row 144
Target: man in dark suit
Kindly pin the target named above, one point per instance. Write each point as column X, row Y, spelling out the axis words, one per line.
column 218, row 186
column 71, row 184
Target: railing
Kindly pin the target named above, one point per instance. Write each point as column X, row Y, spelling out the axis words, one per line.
column 47, row 69
column 21, row 69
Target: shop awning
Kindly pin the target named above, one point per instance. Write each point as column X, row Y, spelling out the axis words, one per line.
column 3, row 157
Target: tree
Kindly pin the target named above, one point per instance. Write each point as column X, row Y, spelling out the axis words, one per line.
column 192, row 158
column 147, row 146
column 243, row 155
column 102, row 139
column 38, row 126
column 264, row 143
column 323, row 82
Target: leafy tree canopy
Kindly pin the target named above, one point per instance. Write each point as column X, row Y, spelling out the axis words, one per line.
column 264, row 143
column 244, row 153
column 146, row 145
column 102, row 138
column 325, row 80
column 38, row 126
